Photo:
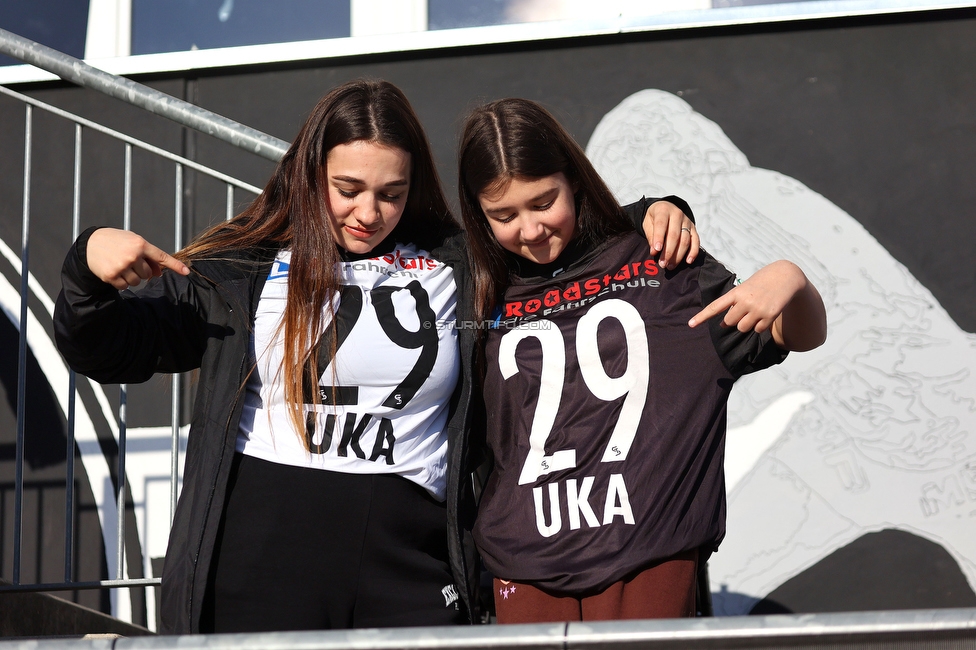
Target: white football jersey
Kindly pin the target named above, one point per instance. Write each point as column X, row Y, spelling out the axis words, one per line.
column 383, row 400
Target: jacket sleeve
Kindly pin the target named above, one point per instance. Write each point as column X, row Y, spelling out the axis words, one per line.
column 116, row 337
column 637, row 209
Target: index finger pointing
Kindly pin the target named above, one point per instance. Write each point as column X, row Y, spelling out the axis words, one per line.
column 718, row 306
column 165, row 260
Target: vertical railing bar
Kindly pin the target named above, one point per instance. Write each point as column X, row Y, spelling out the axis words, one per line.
column 69, row 480
column 22, row 353
column 72, row 414
column 123, row 389
column 174, row 461
column 230, row 202
column 39, row 491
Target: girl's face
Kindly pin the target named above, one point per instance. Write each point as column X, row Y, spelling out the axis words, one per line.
column 534, row 218
column 367, row 192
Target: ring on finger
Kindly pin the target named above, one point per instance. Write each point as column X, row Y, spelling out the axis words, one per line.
column 687, row 230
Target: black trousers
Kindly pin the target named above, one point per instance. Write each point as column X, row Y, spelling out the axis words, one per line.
column 305, row 549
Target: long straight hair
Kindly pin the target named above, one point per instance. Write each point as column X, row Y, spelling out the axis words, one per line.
column 519, row 139
column 291, row 213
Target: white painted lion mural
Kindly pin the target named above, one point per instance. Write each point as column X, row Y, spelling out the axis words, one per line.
column 874, row 430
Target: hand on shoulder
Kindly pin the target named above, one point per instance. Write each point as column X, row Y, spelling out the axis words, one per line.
column 671, row 234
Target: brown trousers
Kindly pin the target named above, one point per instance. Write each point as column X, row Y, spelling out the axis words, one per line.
column 664, row 590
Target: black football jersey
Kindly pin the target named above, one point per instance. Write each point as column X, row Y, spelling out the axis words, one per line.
column 606, row 418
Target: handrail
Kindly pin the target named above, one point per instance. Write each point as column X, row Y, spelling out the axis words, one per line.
column 78, row 72
column 118, row 135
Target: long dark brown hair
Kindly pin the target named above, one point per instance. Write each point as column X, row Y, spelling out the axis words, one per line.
column 519, row 139
column 291, row 213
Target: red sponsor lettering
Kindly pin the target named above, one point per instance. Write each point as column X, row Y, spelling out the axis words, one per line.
column 572, row 292
column 581, row 288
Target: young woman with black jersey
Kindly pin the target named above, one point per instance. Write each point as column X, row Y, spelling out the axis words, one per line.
column 608, row 376
column 325, row 483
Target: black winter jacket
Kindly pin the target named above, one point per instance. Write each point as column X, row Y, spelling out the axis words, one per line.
column 178, row 323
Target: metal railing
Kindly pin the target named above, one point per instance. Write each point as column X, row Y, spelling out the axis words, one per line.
column 184, row 114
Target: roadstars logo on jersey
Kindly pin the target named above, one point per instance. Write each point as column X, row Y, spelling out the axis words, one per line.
column 581, row 292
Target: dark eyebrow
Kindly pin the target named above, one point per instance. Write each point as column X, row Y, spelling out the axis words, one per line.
column 538, row 197
column 545, row 194
column 357, row 181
